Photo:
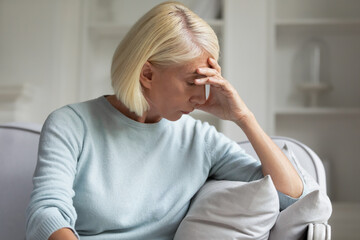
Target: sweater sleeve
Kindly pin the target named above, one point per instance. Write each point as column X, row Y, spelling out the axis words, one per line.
column 50, row 206
column 231, row 162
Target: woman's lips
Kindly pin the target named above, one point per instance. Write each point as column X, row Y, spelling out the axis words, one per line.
column 185, row 112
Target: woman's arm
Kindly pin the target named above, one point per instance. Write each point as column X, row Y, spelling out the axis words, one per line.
column 63, row 234
column 273, row 160
column 225, row 103
column 51, row 203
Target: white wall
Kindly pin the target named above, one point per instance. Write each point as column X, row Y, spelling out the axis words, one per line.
column 39, row 42
column 245, row 58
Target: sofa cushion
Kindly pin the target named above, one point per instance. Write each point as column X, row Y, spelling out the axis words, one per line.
column 231, row 210
column 315, row 207
column 292, row 223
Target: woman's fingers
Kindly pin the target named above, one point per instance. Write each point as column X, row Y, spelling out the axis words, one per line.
column 213, row 75
column 208, row 72
column 213, row 70
column 213, row 81
column 213, row 63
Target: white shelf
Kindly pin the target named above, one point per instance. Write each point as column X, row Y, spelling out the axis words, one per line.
column 316, row 111
column 314, row 87
column 317, row 22
column 12, row 92
column 320, row 115
column 318, row 26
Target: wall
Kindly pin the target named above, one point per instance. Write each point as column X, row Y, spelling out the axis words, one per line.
column 245, row 58
column 39, row 57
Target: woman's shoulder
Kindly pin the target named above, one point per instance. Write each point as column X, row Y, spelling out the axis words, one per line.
column 76, row 110
column 72, row 114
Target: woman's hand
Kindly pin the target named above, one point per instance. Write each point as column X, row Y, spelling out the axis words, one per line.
column 223, row 102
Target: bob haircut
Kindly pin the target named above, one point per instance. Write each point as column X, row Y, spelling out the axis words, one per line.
column 168, row 34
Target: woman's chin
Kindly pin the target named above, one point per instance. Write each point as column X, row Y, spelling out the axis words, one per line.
column 175, row 117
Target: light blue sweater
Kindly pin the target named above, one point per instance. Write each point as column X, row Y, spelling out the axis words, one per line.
column 106, row 176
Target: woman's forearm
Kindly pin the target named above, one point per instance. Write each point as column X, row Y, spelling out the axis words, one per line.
column 63, row 234
column 273, row 160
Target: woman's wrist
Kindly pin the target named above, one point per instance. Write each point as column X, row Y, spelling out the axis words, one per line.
column 246, row 120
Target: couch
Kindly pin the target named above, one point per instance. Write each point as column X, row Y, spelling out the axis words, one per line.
column 18, row 154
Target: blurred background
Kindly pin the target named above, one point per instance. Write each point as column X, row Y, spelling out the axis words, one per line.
column 295, row 63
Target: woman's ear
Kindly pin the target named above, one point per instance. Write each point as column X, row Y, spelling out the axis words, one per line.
column 146, row 75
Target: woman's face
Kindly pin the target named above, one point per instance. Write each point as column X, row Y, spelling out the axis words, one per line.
column 173, row 92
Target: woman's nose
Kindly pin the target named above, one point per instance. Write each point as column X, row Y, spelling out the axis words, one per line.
column 199, row 95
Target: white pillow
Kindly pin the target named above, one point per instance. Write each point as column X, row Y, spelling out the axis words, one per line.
column 315, row 207
column 231, row 210
column 292, row 223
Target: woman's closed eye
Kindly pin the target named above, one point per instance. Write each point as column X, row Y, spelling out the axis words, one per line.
column 191, row 80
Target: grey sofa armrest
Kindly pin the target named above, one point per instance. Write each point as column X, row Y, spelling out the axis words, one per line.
column 311, row 162
column 319, row 231
column 18, row 155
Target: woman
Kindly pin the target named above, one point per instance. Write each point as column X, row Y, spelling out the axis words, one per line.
column 126, row 166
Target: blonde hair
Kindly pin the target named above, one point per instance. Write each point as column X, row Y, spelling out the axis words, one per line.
column 168, row 34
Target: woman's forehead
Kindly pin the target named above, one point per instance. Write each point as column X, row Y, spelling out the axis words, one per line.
column 199, row 62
